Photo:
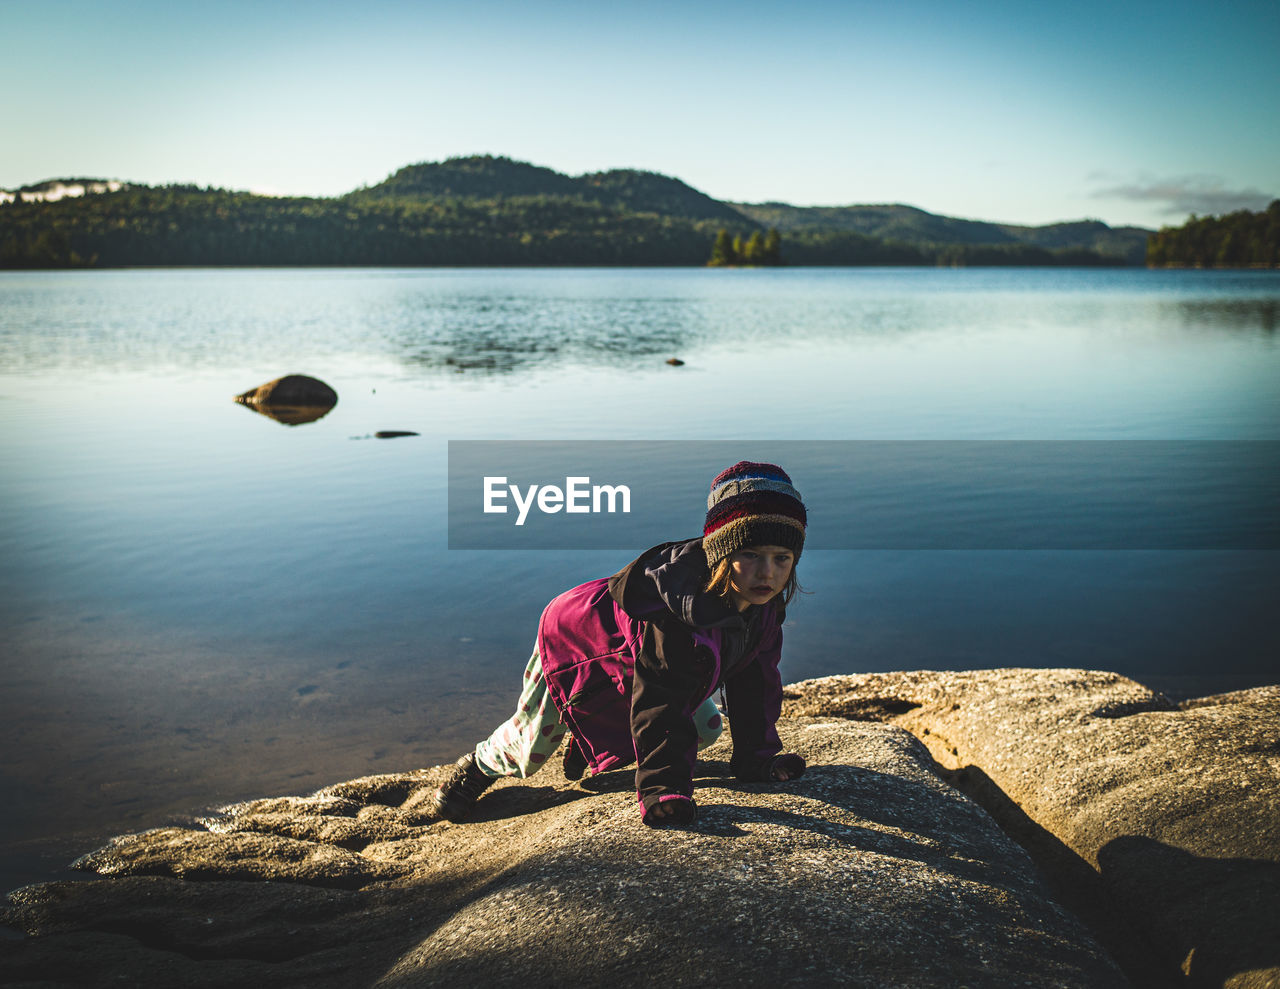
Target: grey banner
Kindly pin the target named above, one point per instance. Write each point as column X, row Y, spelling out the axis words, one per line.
column 882, row 495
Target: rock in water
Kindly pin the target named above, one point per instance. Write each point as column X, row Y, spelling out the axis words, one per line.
column 293, row 399
column 292, row 389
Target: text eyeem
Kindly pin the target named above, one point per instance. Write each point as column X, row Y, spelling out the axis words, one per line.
column 578, row 496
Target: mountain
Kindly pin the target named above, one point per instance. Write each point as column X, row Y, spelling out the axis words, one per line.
column 910, row 225
column 1129, row 243
column 631, row 190
column 887, row 222
column 476, row 177
column 492, row 210
column 491, row 177
column 651, row 192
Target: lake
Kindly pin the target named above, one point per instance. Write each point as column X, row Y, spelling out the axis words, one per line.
column 199, row 604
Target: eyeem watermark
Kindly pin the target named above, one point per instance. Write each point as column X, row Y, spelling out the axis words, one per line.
column 877, row 494
column 578, row 497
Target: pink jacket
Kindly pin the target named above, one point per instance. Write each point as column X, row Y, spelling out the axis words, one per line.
column 629, row 658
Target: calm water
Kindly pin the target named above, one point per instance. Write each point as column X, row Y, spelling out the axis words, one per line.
column 199, row 604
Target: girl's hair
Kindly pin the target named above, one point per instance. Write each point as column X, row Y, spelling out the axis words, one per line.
column 722, row 580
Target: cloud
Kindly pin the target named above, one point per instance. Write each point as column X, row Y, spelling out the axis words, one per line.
column 1204, row 195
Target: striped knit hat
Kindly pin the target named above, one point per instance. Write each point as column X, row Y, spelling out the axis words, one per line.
column 752, row 505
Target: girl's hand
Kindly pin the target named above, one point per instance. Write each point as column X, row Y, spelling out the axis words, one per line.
column 677, row 810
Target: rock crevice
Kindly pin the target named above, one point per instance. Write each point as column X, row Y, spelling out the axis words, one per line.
column 1158, row 822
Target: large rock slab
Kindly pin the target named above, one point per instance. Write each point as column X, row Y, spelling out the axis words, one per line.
column 1172, row 810
column 868, row 871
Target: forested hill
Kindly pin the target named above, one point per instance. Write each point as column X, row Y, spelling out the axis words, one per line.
column 1243, row 239
column 487, row 210
column 477, row 177
column 909, row 225
column 489, row 177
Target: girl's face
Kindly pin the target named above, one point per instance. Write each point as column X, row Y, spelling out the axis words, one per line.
column 758, row 574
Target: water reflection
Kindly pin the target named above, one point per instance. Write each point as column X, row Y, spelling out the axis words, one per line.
column 1233, row 314
column 495, row 322
column 289, row 415
column 571, row 332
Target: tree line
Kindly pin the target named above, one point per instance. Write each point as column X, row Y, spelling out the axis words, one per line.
column 848, row 248
column 845, row 247
column 1236, row 240
column 181, row 226
column 728, row 249
column 191, row 226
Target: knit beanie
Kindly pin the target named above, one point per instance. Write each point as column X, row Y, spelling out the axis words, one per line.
column 752, row 505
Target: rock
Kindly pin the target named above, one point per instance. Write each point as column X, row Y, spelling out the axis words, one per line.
column 293, row 399
column 260, row 847
column 292, row 389
column 869, row 870
column 1163, row 819
column 675, row 362
column 391, row 434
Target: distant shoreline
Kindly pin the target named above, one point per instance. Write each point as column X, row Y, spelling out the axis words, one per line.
column 492, row 211
column 282, row 266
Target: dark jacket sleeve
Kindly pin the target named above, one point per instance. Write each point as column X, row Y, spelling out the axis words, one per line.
column 753, row 702
column 670, row 682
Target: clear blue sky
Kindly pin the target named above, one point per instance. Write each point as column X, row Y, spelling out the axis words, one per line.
column 1012, row 111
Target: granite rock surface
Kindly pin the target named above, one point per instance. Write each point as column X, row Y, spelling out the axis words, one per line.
column 1158, row 822
column 870, row 870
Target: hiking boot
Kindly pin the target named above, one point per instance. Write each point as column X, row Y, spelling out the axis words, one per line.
column 575, row 762
column 462, row 789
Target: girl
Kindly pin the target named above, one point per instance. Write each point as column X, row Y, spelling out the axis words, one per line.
column 628, row 663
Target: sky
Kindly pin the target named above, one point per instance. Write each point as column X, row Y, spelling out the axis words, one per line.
column 1132, row 113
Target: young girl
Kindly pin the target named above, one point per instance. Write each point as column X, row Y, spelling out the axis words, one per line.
column 628, row 663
